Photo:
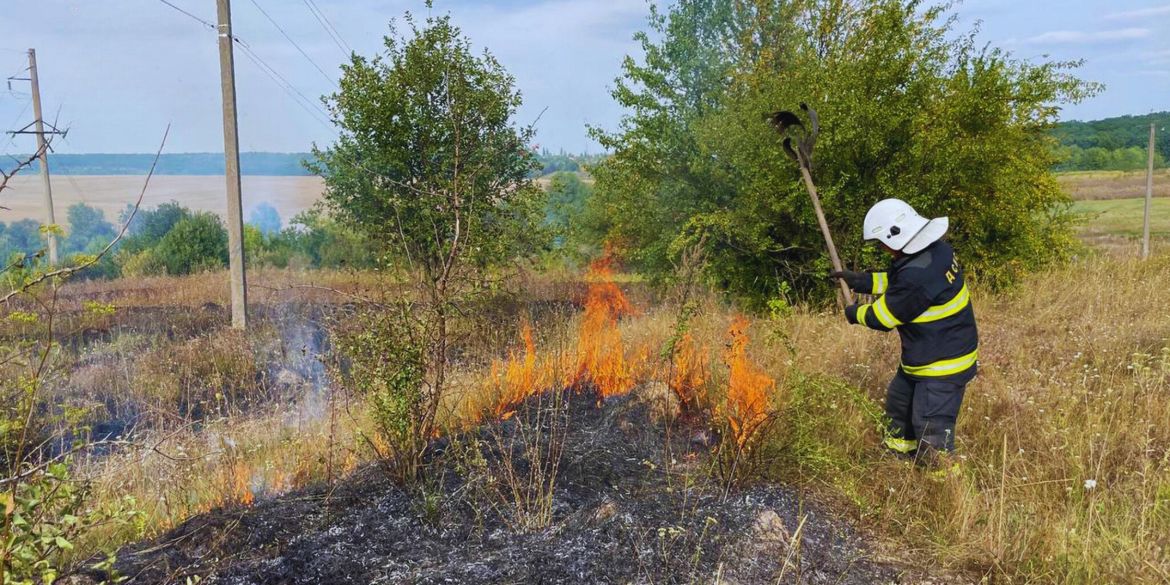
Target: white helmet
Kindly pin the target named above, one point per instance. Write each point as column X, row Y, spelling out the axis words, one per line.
column 897, row 225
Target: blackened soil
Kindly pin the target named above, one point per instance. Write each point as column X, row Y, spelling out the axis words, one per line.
column 621, row 514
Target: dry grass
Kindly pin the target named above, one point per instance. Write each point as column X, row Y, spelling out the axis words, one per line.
column 1096, row 185
column 1074, row 388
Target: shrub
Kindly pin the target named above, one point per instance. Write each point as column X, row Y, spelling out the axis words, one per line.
column 194, row 244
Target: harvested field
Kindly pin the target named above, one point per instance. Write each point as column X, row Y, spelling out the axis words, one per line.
column 111, row 194
column 1095, row 185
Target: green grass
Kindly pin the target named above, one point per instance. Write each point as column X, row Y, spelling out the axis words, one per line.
column 1123, row 217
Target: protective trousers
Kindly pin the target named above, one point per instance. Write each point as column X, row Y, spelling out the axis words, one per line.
column 922, row 412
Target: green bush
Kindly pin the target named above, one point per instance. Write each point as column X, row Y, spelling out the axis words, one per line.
column 196, row 243
column 909, row 108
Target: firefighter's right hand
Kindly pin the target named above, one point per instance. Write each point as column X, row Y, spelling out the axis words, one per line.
column 855, row 280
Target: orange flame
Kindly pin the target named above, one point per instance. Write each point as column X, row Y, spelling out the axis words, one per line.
column 242, row 484
column 518, row 377
column 749, row 388
column 690, row 372
column 601, row 358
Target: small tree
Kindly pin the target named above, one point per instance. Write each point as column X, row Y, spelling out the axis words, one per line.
column 430, row 166
column 196, row 243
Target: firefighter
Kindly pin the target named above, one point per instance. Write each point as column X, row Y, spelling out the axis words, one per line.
column 924, row 297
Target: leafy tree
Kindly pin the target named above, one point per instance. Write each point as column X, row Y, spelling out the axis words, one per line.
column 430, row 166
column 1116, row 133
column 150, row 225
column 88, row 230
column 265, row 218
column 908, row 109
column 194, row 244
column 23, row 237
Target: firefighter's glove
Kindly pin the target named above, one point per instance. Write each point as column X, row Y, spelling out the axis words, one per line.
column 851, row 314
column 855, row 280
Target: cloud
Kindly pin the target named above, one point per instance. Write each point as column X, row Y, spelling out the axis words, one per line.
column 1076, row 37
column 1143, row 13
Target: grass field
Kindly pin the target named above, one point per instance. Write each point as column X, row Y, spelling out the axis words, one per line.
column 1093, row 185
column 1116, row 221
column 1066, row 473
column 111, row 194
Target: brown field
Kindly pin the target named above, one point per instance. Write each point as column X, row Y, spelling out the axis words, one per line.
column 289, row 195
column 111, row 193
column 1094, row 185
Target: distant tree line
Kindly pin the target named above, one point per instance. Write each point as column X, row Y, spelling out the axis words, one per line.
column 251, row 163
column 1112, row 144
column 172, row 239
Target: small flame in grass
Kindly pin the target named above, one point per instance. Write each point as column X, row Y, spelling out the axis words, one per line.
column 690, row 373
column 242, row 484
column 601, row 358
column 749, row 388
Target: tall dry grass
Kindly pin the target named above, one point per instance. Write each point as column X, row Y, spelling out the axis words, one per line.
column 1064, row 435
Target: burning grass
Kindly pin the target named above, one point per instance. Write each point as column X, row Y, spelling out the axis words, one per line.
column 1066, row 469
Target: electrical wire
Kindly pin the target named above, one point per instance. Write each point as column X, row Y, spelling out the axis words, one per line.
column 205, row 23
column 294, row 43
column 12, row 137
column 347, row 51
column 300, row 98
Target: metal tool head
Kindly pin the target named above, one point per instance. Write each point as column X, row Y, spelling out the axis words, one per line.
column 785, row 122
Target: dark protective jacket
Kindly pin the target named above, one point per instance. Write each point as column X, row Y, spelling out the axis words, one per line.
column 925, row 297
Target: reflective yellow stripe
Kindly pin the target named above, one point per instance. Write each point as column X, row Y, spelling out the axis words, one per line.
column 901, row 445
column 884, row 315
column 943, row 367
column 861, row 314
column 880, row 282
column 955, row 305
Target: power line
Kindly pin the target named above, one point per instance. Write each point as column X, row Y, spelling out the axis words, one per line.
column 329, row 28
column 12, row 137
column 303, row 101
column 307, row 104
column 294, row 43
column 205, row 23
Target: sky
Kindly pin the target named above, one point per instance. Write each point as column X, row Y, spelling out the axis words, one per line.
column 116, row 72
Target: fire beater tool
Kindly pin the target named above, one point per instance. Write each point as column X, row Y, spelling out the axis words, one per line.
column 784, row 121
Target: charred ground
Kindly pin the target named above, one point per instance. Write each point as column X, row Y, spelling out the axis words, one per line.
column 621, row 513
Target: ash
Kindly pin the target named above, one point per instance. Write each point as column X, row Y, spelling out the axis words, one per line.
column 634, row 501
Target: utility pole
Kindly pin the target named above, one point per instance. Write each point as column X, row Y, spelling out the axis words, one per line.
column 1149, row 197
column 44, row 154
column 231, row 153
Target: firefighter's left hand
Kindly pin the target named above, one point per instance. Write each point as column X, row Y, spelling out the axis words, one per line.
column 851, row 314
column 855, row 280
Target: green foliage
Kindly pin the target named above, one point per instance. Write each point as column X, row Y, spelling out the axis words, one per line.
column 570, row 217
column 908, row 109
column 1133, row 158
column 383, row 359
column 195, row 244
column 88, row 230
column 44, row 515
column 1114, row 144
column 428, row 162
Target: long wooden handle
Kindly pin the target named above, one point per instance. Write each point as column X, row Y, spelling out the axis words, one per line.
column 812, row 191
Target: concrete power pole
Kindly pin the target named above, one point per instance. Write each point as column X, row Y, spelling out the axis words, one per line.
column 43, row 150
column 231, row 152
column 1149, row 197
